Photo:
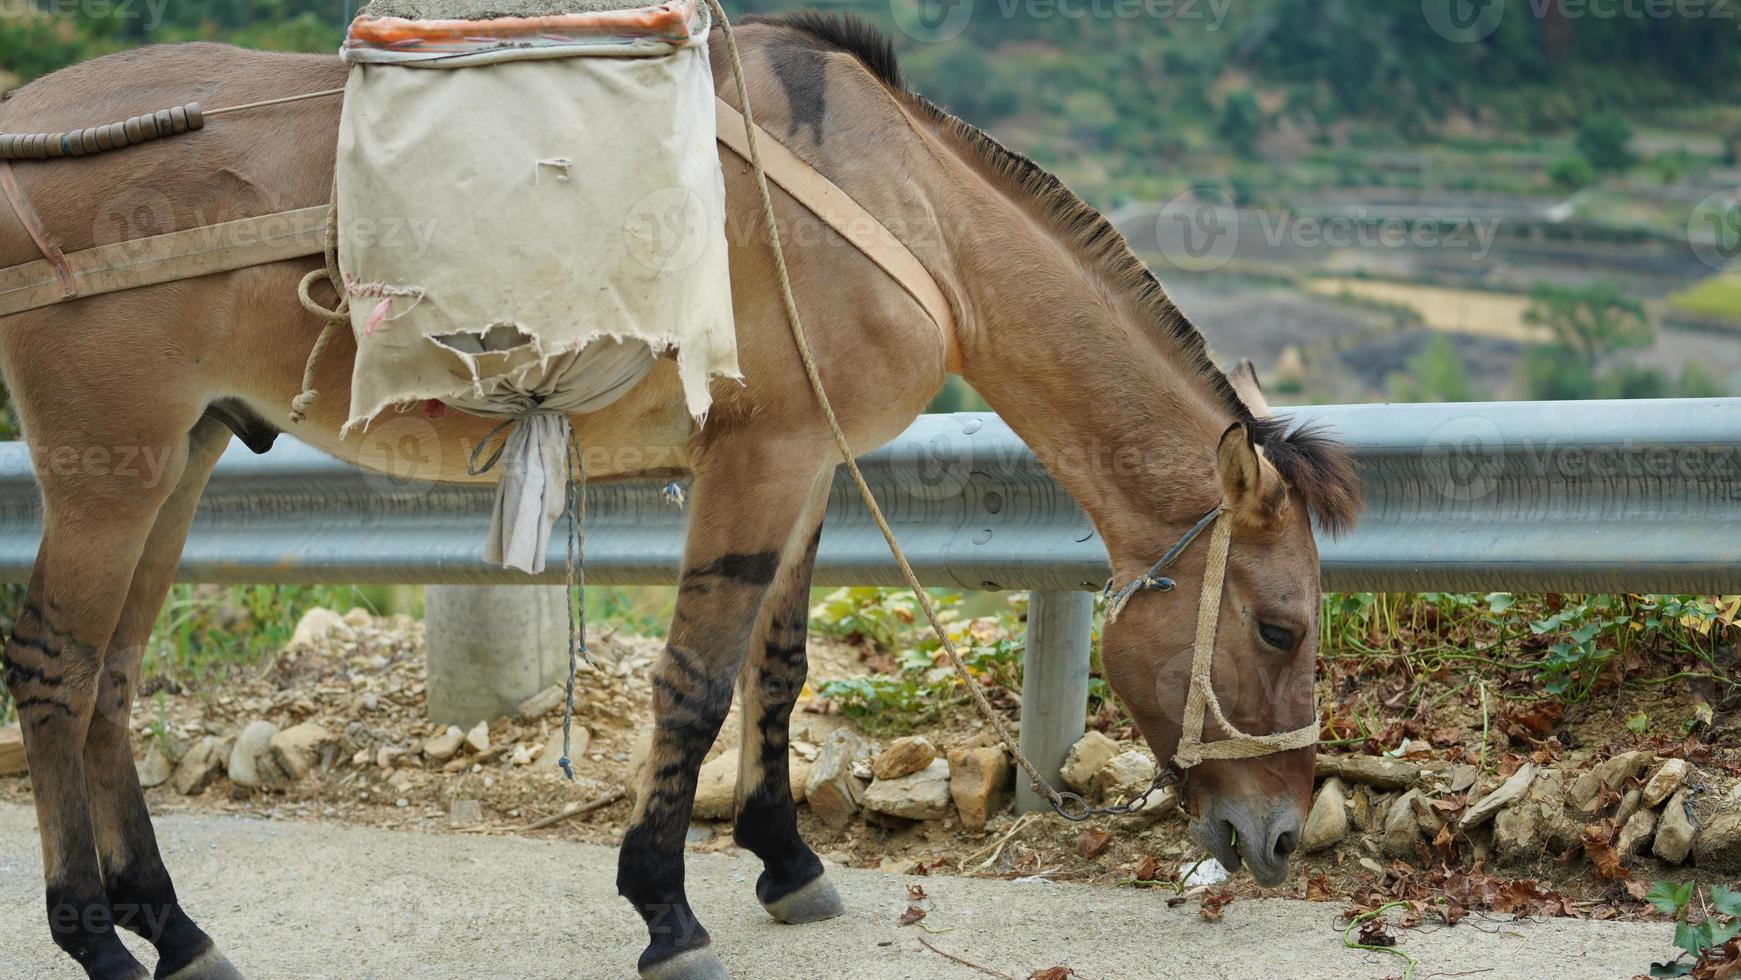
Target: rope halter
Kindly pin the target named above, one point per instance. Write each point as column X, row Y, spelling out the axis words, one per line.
column 1200, row 699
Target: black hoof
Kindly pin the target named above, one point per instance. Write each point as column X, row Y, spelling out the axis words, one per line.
column 209, row 965
column 813, row 902
column 693, row 964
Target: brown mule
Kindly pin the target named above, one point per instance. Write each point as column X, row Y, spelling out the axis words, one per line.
column 126, row 398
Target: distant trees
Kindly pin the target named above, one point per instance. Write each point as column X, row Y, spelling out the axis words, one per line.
column 1572, row 173
column 1605, row 140
column 1435, row 374
column 1241, row 122
column 1589, row 322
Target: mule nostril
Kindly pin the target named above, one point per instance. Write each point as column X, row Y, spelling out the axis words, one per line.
column 1285, row 843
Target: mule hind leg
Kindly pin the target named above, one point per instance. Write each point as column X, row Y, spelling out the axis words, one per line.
column 750, row 497
column 96, row 521
column 792, row 886
column 135, row 880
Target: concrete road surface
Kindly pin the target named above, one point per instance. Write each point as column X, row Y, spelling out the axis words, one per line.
column 310, row 900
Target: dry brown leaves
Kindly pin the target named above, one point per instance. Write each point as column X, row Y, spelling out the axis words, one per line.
column 1376, row 933
column 925, row 865
column 1053, row 973
column 1598, row 841
column 1530, row 720
column 1722, row 963
column 1214, row 900
column 1093, row 843
column 913, row 914
column 1151, row 869
column 1451, row 895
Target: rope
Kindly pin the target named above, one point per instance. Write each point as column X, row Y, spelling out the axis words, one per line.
column 574, row 467
column 338, row 314
column 244, row 107
column 1153, row 579
column 1201, row 694
column 790, row 302
column 576, row 597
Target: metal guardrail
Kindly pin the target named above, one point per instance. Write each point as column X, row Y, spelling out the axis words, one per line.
column 1641, row 496
column 1638, row 496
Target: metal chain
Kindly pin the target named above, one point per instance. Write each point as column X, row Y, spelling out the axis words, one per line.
column 1074, row 807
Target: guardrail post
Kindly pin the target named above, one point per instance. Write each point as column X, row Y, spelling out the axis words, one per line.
column 1054, row 684
column 491, row 647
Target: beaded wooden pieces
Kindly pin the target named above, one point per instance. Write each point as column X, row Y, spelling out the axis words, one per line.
column 100, row 139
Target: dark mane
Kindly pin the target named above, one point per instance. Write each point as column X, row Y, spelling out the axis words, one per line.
column 1320, row 469
column 845, row 33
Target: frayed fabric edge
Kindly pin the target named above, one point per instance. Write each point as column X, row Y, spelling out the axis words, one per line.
column 698, row 406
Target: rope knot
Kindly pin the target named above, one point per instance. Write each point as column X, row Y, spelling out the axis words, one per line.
column 299, row 404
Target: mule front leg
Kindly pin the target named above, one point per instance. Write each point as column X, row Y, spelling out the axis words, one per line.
column 792, row 886
column 741, row 528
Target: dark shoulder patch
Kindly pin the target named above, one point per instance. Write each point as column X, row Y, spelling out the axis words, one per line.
column 803, row 74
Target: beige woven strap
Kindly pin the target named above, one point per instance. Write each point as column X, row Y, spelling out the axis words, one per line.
column 1200, row 695
column 178, row 255
column 824, row 198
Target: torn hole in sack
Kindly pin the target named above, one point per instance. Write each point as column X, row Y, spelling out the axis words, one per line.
column 497, row 338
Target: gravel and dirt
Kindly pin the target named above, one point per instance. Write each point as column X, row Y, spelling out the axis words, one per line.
column 309, row 796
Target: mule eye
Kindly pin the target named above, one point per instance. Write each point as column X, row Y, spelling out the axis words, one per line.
column 1275, row 636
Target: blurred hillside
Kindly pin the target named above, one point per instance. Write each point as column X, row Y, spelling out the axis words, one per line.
column 1510, row 147
column 1133, row 99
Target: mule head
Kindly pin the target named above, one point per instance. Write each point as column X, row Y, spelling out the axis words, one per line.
column 1272, row 483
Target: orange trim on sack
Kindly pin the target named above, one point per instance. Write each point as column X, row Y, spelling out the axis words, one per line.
column 671, row 19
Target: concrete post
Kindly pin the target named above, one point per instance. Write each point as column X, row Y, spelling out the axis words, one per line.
column 1054, row 685
column 491, row 647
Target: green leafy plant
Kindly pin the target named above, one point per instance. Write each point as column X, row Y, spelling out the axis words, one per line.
column 922, row 683
column 1711, row 937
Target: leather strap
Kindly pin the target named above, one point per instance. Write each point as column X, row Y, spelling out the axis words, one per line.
column 823, row 198
column 186, row 254
column 33, row 224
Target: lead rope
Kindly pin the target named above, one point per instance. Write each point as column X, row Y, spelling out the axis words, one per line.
column 340, row 313
column 787, row 298
column 576, row 595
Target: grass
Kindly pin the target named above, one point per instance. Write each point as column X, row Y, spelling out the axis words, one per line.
column 1718, row 297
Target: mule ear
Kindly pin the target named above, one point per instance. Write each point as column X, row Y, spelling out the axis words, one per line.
column 1243, row 377
column 1251, row 488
